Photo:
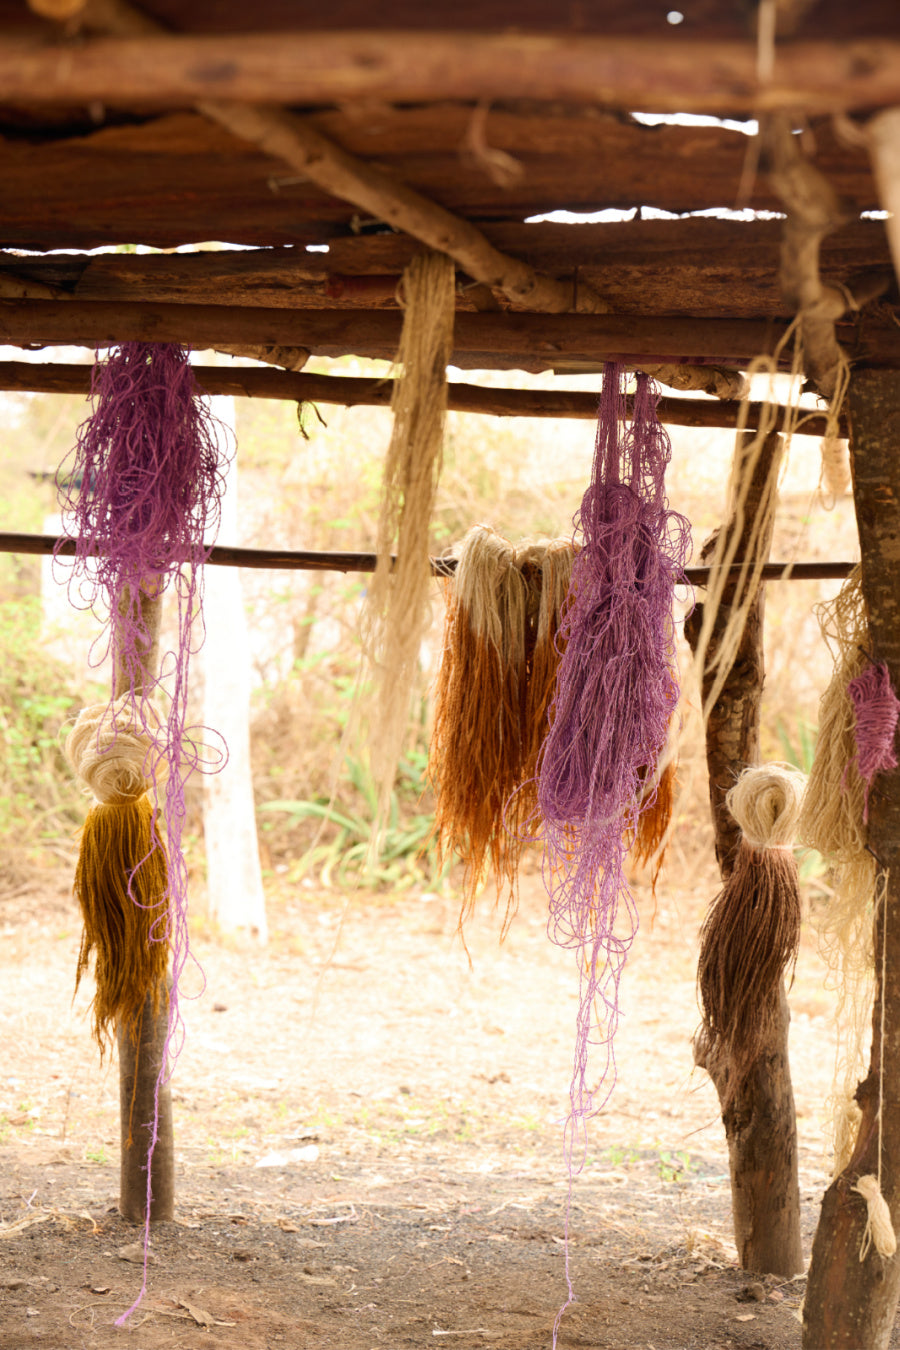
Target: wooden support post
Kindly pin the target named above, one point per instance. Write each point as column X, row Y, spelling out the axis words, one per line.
column 140, row 1061
column 759, row 1119
column 852, row 1303
column 139, row 1065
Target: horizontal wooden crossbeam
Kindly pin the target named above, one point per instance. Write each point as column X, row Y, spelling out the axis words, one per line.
column 310, row 561
column 534, row 341
column 670, row 73
column 349, row 391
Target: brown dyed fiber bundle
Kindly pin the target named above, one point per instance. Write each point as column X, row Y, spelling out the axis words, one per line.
column 751, row 934
column 492, row 699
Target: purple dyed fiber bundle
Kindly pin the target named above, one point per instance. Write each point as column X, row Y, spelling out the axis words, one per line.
column 141, row 493
column 615, row 695
column 877, row 710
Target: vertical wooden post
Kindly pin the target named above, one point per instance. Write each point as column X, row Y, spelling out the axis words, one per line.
column 852, row 1303
column 139, row 1065
column 759, row 1119
column 140, row 1061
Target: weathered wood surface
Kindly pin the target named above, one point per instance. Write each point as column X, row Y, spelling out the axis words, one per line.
column 139, row 1065
column 759, row 1118
column 697, row 266
column 663, row 73
column 712, row 18
column 353, row 391
column 531, row 341
column 106, row 186
column 851, row 1303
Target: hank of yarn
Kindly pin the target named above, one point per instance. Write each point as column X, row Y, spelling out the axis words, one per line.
column 879, row 1232
column 113, row 752
column 751, row 935
column 765, row 802
column 877, row 710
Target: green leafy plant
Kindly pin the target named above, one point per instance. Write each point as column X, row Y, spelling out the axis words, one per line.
column 403, row 853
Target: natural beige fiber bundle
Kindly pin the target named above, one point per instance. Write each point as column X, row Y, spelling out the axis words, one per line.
column 751, row 934
column 396, row 615
column 111, row 752
column 831, row 821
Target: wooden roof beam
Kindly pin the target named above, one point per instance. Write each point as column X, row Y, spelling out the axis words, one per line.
column 671, row 73
column 535, row 341
column 349, row 391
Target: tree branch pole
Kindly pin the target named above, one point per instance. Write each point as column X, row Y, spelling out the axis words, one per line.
column 140, row 1060
column 45, row 545
column 542, row 340
column 396, row 66
column 852, row 1303
column 351, row 392
column 759, row 1119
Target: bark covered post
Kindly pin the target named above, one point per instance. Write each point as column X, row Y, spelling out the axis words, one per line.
column 851, row 1303
column 140, row 1061
column 759, row 1119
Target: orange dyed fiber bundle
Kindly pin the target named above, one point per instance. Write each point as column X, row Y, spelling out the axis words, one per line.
column 492, row 700
column 120, row 884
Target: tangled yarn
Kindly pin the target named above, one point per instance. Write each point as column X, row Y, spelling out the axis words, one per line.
column 616, row 691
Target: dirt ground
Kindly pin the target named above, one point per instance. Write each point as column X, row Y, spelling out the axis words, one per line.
column 369, row 1150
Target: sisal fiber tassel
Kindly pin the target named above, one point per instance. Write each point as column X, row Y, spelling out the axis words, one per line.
column 751, row 935
column 396, row 615
column 879, row 1228
column 120, row 885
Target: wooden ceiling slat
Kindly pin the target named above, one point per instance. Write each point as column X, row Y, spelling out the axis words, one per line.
column 712, row 18
column 697, row 266
column 671, row 72
column 532, row 341
column 179, row 180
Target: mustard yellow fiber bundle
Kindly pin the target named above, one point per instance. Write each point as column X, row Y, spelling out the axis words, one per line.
column 120, row 884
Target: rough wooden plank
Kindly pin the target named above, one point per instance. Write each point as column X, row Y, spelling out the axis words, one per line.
column 178, row 180
column 536, row 341
column 664, row 73
column 698, row 266
column 712, row 18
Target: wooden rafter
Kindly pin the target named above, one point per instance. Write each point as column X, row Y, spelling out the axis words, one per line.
column 666, row 74
column 350, row 392
column 537, row 341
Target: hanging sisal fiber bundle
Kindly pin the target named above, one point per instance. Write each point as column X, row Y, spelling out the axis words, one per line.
column 492, row 695
column 615, row 695
column 396, row 614
column 751, row 935
column 120, row 879
column 832, row 821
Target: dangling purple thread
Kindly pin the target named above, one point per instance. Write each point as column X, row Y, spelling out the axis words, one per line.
column 141, row 493
column 615, row 694
column 877, row 711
